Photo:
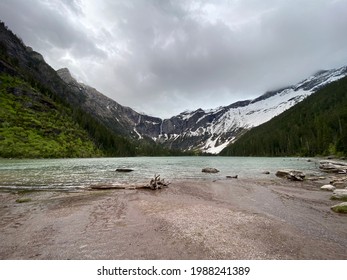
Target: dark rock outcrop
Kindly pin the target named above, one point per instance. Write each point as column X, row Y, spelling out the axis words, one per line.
column 210, row 170
column 124, row 170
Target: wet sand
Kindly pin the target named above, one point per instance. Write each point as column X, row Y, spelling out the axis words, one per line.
column 225, row 219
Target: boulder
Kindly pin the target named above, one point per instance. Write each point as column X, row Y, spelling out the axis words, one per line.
column 340, row 194
column 328, row 188
column 124, row 170
column 210, row 170
column 340, row 208
column 232, row 177
column 339, row 182
column 291, row 175
column 333, row 166
column 266, row 172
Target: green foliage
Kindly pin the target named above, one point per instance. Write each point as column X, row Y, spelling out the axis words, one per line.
column 315, row 126
column 340, row 209
column 32, row 125
column 343, row 198
column 146, row 147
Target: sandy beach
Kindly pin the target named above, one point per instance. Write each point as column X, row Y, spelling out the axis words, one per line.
column 205, row 219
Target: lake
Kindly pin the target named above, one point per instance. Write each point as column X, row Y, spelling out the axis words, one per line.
column 70, row 174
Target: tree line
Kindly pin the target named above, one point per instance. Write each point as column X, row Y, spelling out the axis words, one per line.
column 316, row 126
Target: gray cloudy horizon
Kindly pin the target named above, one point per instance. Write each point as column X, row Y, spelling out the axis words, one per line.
column 164, row 57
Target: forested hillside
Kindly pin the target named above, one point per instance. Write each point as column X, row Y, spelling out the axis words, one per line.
column 33, row 125
column 40, row 115
column 37, row 120
column 316, row 126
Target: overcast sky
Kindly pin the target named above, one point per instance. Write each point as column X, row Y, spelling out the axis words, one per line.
column 163, row 57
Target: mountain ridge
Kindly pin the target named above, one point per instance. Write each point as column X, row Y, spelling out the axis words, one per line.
column 317, row 126
column 209, row 130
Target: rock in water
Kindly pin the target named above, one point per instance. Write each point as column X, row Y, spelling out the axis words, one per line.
column 210, row 170
column 124, row 170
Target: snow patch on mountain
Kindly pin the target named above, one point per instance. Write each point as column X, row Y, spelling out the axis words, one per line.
column 219, row 127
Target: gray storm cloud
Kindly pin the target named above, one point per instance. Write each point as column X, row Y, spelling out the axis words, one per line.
column 162, row 57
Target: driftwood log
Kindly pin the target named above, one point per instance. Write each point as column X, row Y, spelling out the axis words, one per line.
column 232, row 177
column 157, row 183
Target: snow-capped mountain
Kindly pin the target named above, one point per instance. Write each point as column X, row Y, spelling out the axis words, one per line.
column 212, row 130
column 209, row 131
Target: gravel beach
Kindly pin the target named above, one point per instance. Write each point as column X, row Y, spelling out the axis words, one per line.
column 204, row 219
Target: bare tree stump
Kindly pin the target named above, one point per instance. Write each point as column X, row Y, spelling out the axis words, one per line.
column 157, row 183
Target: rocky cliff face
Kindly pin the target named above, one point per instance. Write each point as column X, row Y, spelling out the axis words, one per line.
column 120, row 119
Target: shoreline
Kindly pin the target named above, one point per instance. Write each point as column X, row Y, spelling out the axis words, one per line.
column 205, row 219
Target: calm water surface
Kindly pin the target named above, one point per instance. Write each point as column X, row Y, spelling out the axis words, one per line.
column 80, row 173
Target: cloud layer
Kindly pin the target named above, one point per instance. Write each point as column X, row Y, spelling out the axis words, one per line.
column 162, row 57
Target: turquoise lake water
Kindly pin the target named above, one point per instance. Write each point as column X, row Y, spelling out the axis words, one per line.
column 68, row 174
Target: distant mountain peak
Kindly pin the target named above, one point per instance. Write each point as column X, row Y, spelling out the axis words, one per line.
column 65, row 75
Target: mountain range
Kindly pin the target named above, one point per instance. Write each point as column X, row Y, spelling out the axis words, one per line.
column 112, row 125
column 317, row 126
column 208, row 131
